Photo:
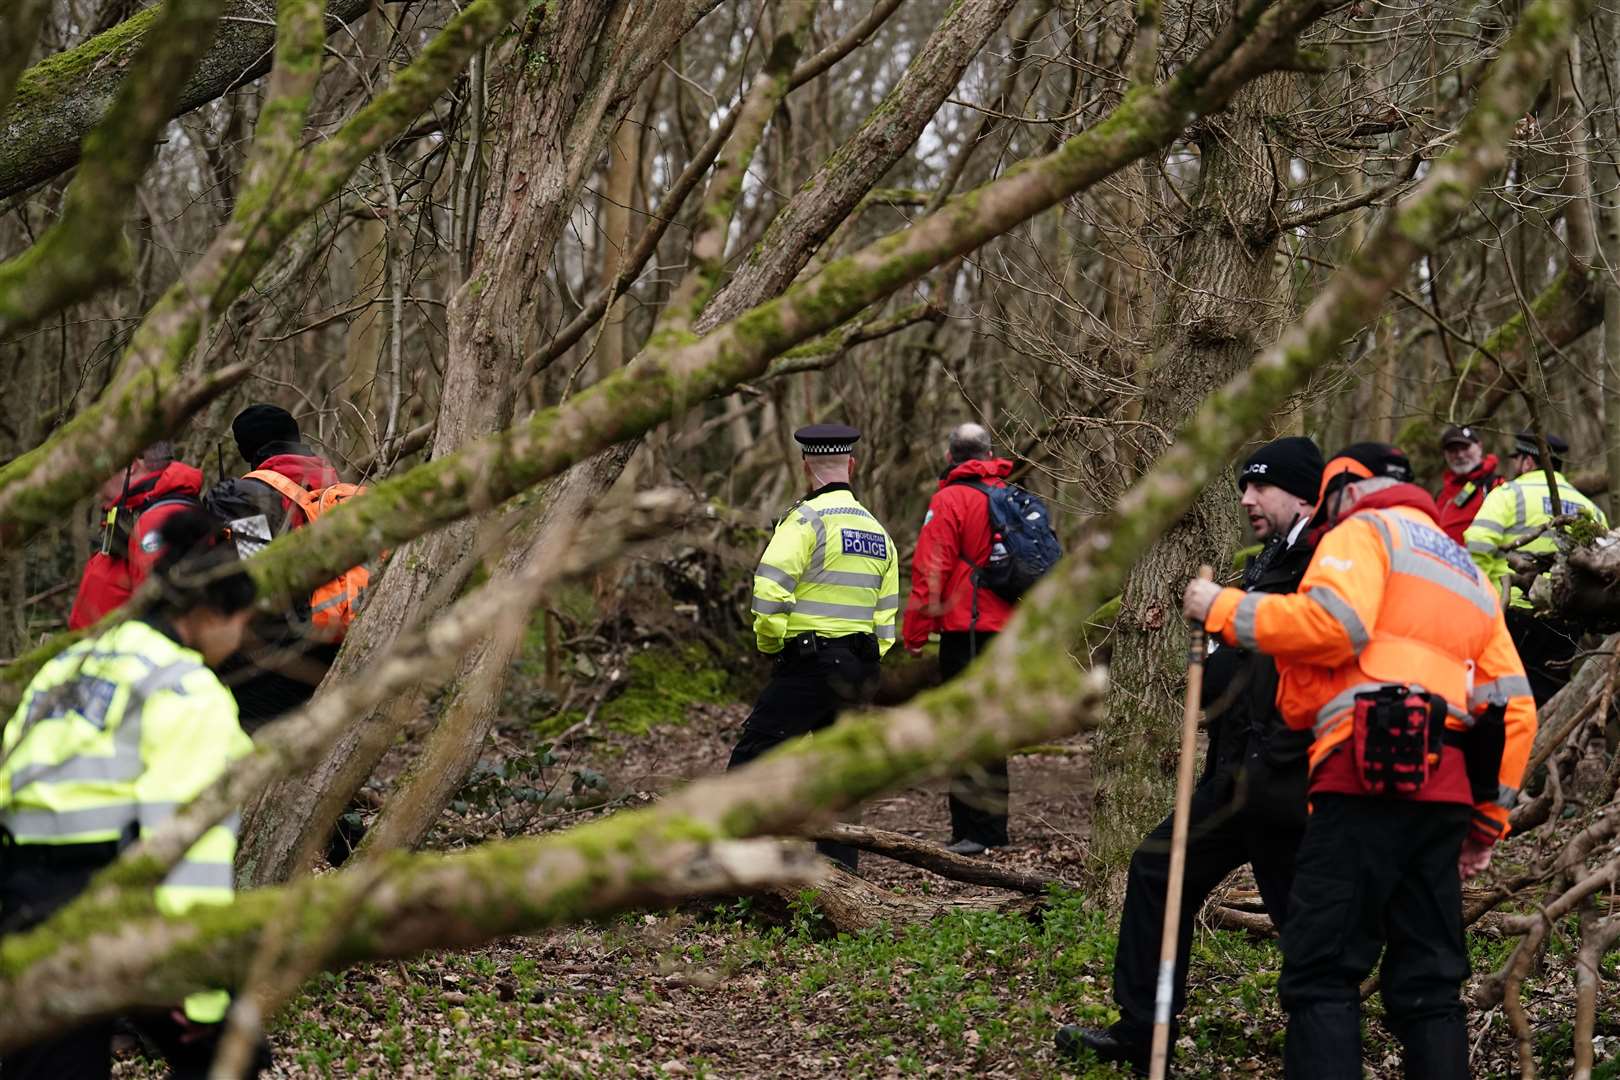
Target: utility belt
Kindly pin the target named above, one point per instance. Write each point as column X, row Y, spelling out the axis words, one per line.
column 1399, row 734
column 808, row 645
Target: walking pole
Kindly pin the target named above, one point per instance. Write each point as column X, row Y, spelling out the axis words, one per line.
column 1178, row 846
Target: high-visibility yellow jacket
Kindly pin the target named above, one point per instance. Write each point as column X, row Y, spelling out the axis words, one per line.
column 111, row 739
column 1518, row 508
column 829, row 569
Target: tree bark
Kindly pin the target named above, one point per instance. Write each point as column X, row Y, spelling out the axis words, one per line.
column 1225, row 307
column 829, row 196
column 60, row 99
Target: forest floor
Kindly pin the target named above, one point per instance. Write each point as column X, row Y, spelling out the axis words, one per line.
column 721, row 990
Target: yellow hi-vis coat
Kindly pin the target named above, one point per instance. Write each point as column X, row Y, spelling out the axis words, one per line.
column 1516, row 509
column 829, row 569
column 111, row 739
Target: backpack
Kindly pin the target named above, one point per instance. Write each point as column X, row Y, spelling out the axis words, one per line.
column 334, row 605
column 1023, row 546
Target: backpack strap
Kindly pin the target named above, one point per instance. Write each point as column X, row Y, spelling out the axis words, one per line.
column 290, row 490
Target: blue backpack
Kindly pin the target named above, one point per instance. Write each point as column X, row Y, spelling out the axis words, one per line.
column 1023, row 546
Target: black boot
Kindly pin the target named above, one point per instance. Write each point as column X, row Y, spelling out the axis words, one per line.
column 1118, row 1043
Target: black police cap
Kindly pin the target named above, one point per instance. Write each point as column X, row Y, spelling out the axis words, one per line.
column 1525, row 443
column 820, row 439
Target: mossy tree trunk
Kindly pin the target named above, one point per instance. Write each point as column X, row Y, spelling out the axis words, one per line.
column 554, row 106
column 1220, row 307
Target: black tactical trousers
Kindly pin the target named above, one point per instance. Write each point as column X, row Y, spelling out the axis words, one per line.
column 32, row 888
column 805, row 694
column 1547, row 647
column 978, row 796
column 1376, row 875
column 1222, row 837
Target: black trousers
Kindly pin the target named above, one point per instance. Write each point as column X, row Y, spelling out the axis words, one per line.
column 30, row 892
column 1546, row 646
column 1376, row 875
column 804, row 695
column 979, row 796
column 1222, row 837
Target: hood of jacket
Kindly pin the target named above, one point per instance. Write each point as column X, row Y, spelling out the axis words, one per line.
column 301, row 465
column 978, row 469
column 174, row 479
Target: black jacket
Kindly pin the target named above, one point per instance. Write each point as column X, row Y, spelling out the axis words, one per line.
column 1253, row 755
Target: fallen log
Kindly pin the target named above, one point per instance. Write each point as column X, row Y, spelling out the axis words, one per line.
column 933, row 857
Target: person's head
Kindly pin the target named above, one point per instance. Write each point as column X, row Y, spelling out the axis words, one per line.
column 1463, row 450
column 968, row 442
column 828, row 456
column 1277, row 485
column 259, row 426
column 202, row 590
column 1356, row 472
column 1527, row 452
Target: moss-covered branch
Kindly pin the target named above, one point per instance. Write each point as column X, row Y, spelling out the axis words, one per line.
column 22, row 31
column 62, row 97
column 40, row 486
column 85, row 250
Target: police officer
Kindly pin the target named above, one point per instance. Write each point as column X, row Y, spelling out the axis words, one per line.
column 1394, row 654
column 1249, row 806
column 110, row 739
column 1514, row 511
column 826, row 593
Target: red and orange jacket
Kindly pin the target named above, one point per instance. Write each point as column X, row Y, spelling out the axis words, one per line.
column 1460, row 497
column 1389, row 598
column 111, row 577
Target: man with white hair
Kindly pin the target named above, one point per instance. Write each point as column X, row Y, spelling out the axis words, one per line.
column 826, row 593
column 946, row 599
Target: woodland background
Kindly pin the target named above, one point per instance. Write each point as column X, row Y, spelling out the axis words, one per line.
column 559, row 280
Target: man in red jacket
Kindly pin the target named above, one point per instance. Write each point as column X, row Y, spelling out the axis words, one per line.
column 1470, row 476
column 135, row 504
column 955, row 541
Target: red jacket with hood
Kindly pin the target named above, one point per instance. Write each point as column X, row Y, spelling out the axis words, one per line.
column 111, row 577
column 1454, row 516
column 955, row 532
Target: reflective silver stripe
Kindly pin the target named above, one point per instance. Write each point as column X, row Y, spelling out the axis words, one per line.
column 1338, row 706
column 888, row 603
column 1340, row 611
column 851, row 511
column 194, row 874
column 854, row 612
column 1518, row 503
column 83, row 767
column 818, row 554
column 1524, row 530
column 232, row 823
column 28, row 825
column 884, row 633
column 1497, row 691
column 1506, row 796
column 853, row 578
column 1378, row 523
column 781, row 577
column 153, row 814
column 1243, row 621
column 772, row 607
column 1480, row 547
column 1487, row 523
column 333, row 601
column 1405, row 561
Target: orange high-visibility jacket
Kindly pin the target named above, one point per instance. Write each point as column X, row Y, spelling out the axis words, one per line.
column 1389, row 598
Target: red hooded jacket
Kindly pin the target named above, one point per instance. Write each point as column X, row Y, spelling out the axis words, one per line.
column 1455, row 517
column 955, row 532
column 110, row 577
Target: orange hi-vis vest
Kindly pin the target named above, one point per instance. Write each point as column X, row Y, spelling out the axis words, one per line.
column 1389, row 599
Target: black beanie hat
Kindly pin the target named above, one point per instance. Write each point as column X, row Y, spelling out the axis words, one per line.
column 259, row 425
column 1293, row 464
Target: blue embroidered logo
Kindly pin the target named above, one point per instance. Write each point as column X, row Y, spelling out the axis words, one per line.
column 1573, row 509
column 1438, row 544
column 866, row 544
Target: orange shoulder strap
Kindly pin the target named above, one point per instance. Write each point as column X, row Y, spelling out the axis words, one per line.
column 288, row 488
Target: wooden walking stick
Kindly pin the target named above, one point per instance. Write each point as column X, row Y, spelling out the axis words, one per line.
column 1178, row 846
